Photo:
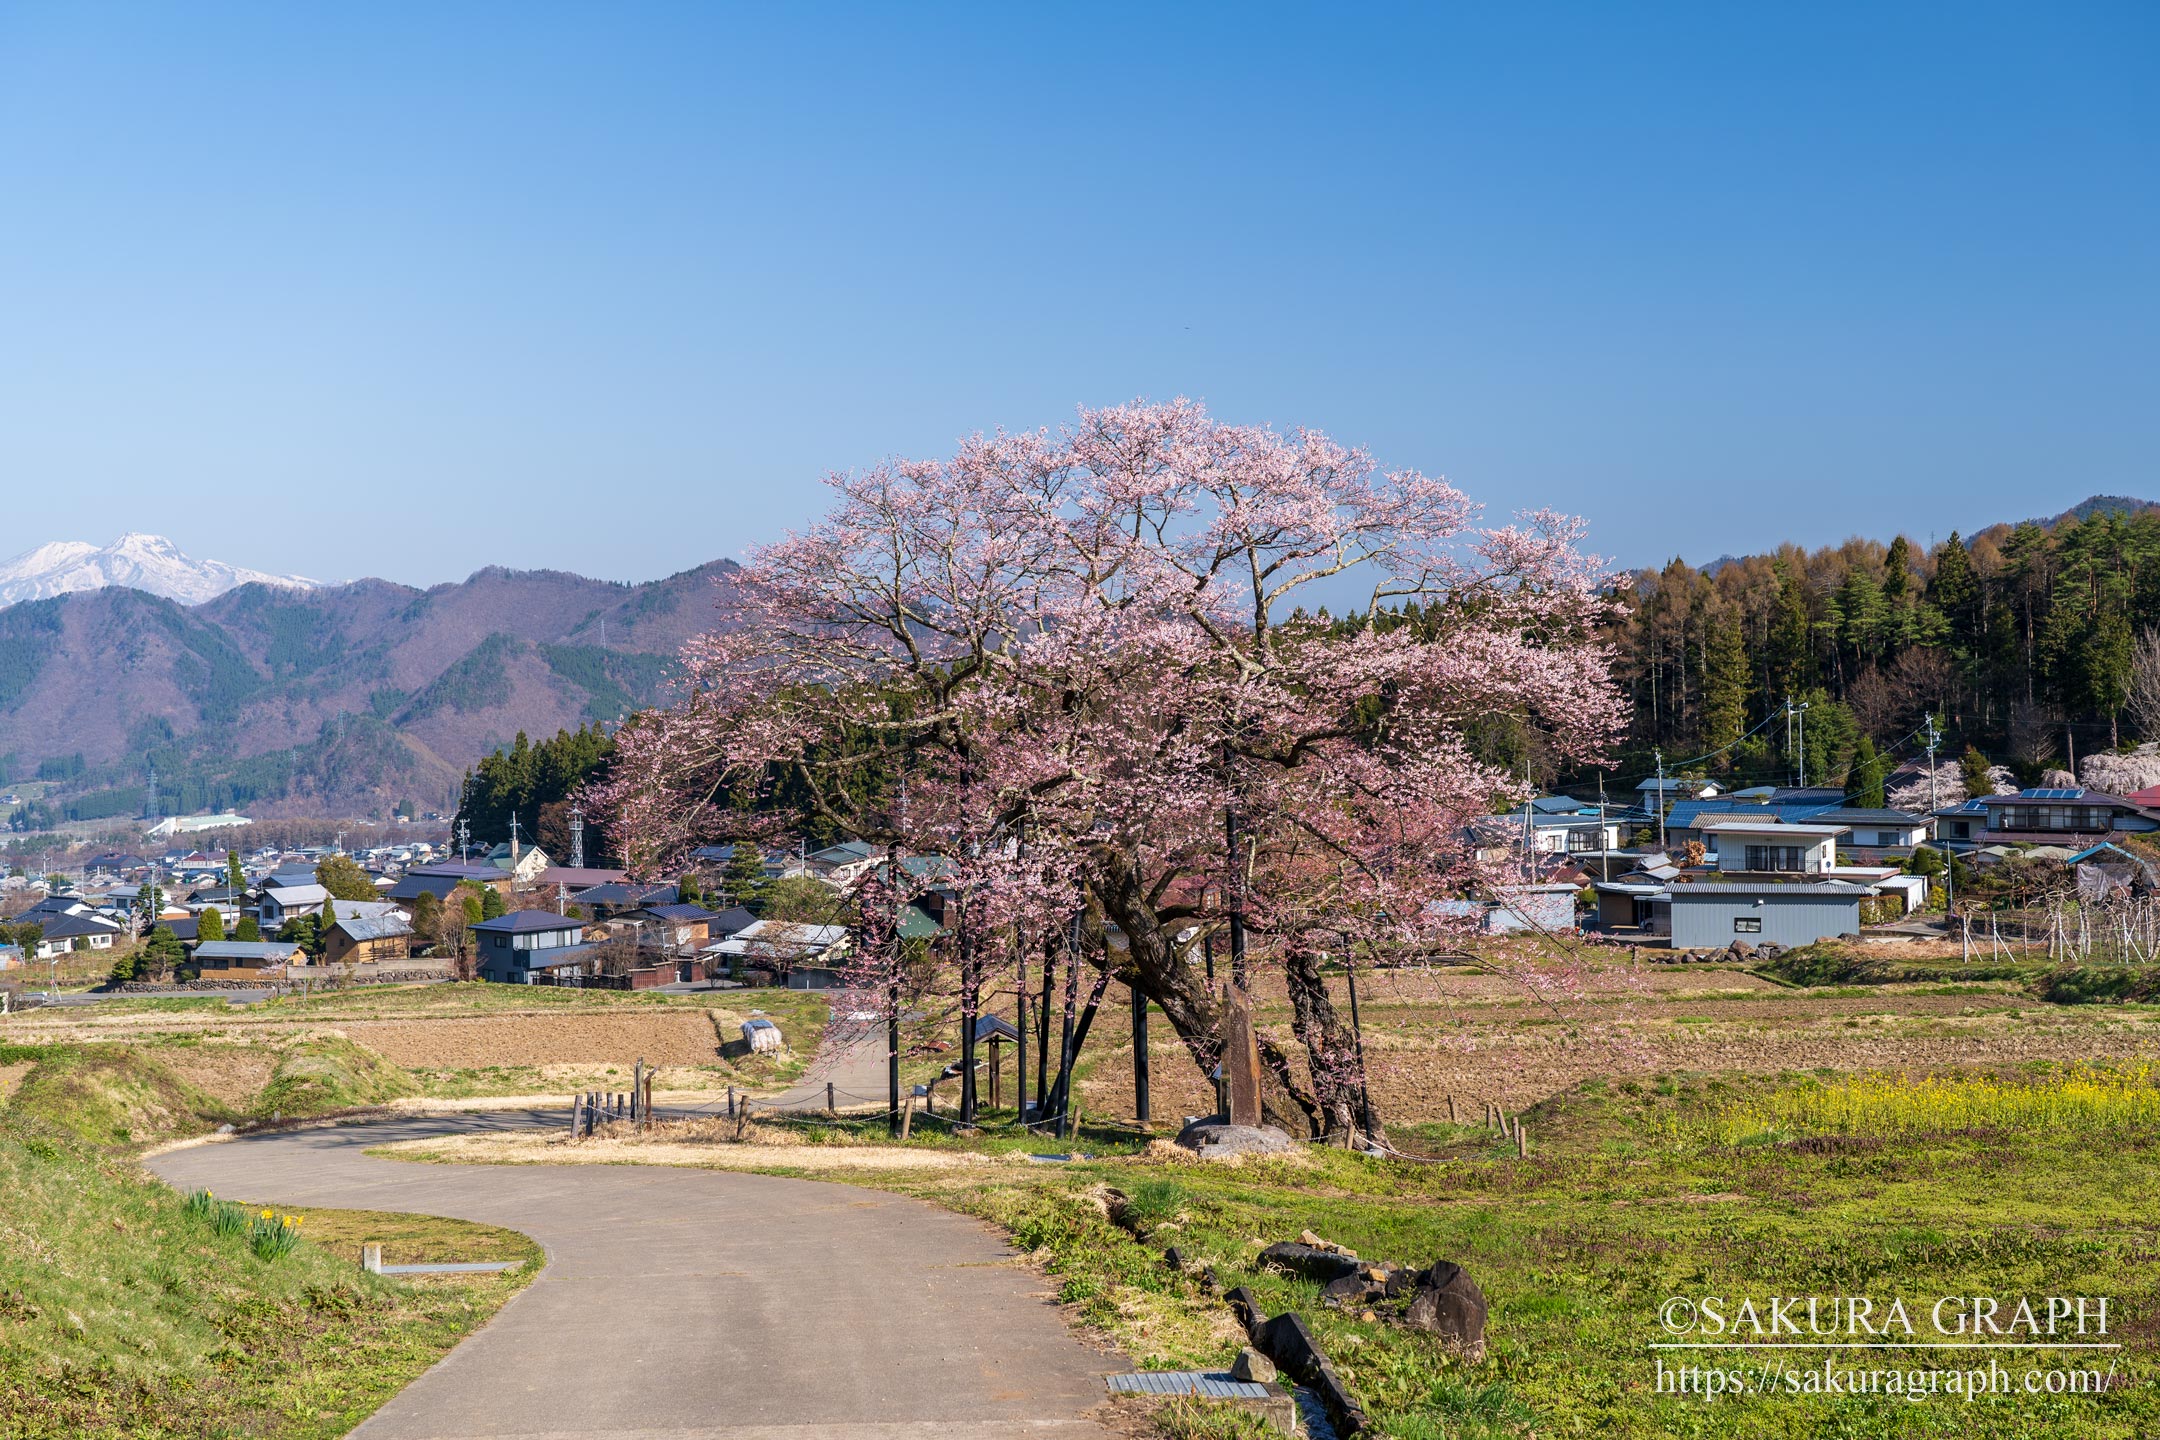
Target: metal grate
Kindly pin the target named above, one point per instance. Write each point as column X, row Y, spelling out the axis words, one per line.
column 1206, row 1384
column 474, row 1268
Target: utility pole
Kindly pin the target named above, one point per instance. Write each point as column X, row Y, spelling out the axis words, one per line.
column 1660, row 798
column 1802, row 713
column 1932, row 739
column 577, row 837
column 464, row 838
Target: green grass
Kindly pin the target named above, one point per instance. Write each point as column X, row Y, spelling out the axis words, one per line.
column 1626, row 1199
column 324, row 1074
column 125, row 1313
column 110, row 1096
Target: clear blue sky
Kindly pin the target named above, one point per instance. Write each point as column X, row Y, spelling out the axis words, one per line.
column 407, row 289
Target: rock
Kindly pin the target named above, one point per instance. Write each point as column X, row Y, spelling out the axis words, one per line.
column 1286, row 1340
column 1173, row 1258
column 1348, row 1291
column 1253, row 1367
column 1211, row 1139
column 1325, row 1266
column 1449, row 1304
column 1306, row 1237
column 1741, row 950
column 224, row 1129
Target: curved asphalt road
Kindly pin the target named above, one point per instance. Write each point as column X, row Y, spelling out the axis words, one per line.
column 679, row 1304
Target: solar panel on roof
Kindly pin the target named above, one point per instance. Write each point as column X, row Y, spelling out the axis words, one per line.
column 2054, row 794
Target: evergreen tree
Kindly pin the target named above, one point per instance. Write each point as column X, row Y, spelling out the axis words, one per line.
column 210, row 926
column 1791, row 647
column 248, row 930
column 426, row 914
column 160, row 954
column 1725, row 689
column 235, row 877
column 491, row 903
column 329, row 913
column 1973, row 769
column 1866, row 780
column 688, row 889
column 2107, row 670
column 745, row 877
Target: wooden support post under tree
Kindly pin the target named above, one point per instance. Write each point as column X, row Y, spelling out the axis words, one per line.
column 1241, row 1056
column 830, row 1107
column 1140, row 1055
column 907, row 1116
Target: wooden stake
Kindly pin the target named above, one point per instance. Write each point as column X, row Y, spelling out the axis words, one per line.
column 830, row 1108
column 1522, row 1141
column 907, row 1115
column 1451, row 1109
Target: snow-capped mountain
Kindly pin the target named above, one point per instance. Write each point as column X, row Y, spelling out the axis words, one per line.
column 139, row 562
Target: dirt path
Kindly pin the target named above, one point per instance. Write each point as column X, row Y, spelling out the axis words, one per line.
column 688, row 1304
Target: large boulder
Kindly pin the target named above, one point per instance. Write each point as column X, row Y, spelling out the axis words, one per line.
column 1325, row 1266
column 1448, row 1303
column 1216, row 1140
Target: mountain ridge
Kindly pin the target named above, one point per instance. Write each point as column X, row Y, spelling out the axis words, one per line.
column 340, row 699
column 135, row 561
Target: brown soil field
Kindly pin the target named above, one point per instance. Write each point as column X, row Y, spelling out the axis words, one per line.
column 662, row 1038
column 1522, row 1056
column 12, row 1076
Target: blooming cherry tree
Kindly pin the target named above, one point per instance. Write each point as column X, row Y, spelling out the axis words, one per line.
column 1076, row 663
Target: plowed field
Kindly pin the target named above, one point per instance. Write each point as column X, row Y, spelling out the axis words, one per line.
column 665, row 1038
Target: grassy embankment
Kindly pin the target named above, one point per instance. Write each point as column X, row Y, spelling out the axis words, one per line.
column 2035, row 1182
column 125, row 1311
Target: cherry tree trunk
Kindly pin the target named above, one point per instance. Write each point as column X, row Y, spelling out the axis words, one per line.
column 1338, row 1076
column 1160, row 972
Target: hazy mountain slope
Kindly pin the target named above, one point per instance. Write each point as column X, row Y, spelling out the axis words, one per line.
column 343, row 696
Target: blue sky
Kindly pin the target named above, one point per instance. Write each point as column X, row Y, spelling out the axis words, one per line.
column 408, row 289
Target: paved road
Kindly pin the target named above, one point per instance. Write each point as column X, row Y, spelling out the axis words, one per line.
column 682, row 1304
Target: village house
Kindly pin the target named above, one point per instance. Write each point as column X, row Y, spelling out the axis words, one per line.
column 803, row 957
column 280, row 903
column 678, row 926
column 605, row 902
column 1769, row 847
column 2070, row 815
column 440, row 877
column 525, row 947
column 1712, row 914
column 58, row 934
column 225, row 959
column 362, row 940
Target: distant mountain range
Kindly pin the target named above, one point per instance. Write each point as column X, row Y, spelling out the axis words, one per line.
column 149, row 563
column 286, row 696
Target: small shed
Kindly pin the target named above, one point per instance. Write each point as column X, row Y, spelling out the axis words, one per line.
column 227, row 957
column 1713, row 914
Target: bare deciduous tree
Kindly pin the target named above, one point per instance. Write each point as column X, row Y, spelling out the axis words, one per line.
column 2143, row 700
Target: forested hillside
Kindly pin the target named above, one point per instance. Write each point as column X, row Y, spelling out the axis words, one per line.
column 2022, row 639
